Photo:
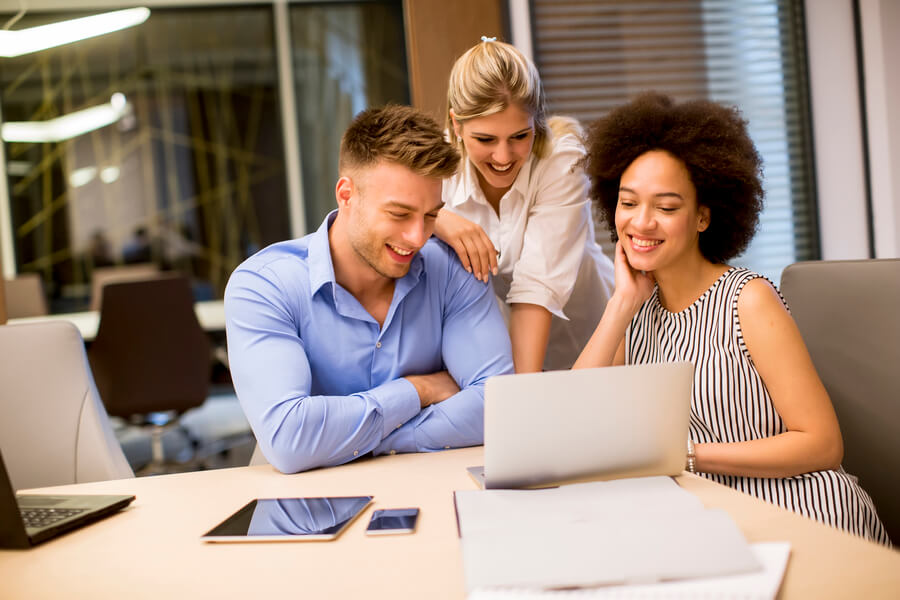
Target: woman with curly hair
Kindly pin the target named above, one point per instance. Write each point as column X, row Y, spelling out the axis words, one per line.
column 680, row 186
column 518, row 207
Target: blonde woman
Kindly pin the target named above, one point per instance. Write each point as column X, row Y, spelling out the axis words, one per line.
column 518, row 208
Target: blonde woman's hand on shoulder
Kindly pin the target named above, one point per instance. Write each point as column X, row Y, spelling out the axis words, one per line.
column 473, row 246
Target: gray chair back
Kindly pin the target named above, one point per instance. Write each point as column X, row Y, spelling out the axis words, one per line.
column 25, row 296
column 849, row 315
column 53, row 427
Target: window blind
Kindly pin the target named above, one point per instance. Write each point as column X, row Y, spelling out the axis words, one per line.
column 594, row 55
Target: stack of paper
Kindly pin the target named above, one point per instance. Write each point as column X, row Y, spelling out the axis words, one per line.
column 627, row 531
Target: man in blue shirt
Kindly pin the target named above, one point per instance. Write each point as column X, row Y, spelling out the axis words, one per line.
column 367, row 335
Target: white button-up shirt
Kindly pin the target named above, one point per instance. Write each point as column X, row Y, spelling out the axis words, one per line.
column 545, row 235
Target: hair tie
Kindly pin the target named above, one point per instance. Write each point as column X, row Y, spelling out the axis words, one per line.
column 485, row 38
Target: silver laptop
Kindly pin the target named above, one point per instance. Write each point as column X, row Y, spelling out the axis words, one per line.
column 26, row 520
column 543, row 429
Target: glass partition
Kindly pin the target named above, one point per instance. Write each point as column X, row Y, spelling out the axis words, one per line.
column 192, row 174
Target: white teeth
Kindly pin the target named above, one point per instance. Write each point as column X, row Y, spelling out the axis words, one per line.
column 646, row 243
column 502, row 169
column 400, row 251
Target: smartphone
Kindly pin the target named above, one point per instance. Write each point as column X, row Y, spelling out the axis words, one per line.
column 389, row 521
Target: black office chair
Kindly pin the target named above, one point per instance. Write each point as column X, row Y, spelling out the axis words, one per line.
column 150, row 355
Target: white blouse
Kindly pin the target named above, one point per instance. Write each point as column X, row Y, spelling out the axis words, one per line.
column 545, row 235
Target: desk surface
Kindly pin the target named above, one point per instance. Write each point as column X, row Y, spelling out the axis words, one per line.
column 152, row 549
column 210, row 313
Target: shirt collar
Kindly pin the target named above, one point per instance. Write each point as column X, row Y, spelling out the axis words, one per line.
column 470, row 190
column 321, row 267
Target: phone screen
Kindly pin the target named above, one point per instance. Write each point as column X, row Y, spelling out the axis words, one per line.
column 393, row 520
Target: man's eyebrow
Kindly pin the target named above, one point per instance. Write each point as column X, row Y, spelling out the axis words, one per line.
column 623, row 188
column 401, row 205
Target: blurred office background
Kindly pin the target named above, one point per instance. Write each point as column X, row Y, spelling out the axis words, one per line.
column 232, row 112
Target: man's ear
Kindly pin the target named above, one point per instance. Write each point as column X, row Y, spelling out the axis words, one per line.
column 343, row 191
column 703, row 222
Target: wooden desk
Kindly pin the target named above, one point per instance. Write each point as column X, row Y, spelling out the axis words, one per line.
column 210, row 313
column 152, row 550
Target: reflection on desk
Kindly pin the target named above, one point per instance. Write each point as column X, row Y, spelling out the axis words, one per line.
column 210, row 313
column 153, row 548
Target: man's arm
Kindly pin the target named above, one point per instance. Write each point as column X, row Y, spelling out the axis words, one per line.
column 475, row 346
column 272, row 377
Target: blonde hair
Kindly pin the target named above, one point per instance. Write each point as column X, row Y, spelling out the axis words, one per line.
column 401, row 135
column 490, row 77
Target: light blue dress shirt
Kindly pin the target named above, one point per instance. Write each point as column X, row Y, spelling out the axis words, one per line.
column 320, row 381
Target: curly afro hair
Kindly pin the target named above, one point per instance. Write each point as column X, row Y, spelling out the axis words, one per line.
column 712, row 142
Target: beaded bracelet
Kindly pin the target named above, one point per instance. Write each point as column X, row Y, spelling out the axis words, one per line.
column 691, row 457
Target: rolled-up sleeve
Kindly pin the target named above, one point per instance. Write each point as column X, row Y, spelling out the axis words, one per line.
column 556, row 232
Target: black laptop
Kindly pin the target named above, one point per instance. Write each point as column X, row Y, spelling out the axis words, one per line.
column 31, row 519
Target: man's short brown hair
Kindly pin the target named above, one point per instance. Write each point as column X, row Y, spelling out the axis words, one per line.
column 400, row 135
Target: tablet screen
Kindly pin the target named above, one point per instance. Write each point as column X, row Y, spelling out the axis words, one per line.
column 289, row 519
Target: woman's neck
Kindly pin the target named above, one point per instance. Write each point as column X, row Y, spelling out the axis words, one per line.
column 681, row 285
column 492, row 194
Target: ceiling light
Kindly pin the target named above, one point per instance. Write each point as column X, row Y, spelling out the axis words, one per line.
column 67, row 126
column 33, row 39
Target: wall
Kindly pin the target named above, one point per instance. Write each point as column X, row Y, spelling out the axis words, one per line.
column 880, row 23
column 436, row 36
column 838, row 125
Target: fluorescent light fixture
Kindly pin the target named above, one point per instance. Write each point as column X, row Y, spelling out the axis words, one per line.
column 67, row 126
column 33, row 39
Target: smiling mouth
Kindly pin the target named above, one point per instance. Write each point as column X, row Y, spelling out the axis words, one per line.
column 645, row 243
column 503, row 169
column 400, row 251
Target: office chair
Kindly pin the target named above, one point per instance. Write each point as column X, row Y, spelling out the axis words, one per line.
column 847, row 314
column 25, row 296
column 102, row 276
column 53, row 427
column 150, row 355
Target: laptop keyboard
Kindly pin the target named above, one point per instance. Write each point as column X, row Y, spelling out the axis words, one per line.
column 43, row 517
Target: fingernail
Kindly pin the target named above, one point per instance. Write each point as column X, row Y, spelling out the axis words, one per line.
column 469, row 269
column 494, row 271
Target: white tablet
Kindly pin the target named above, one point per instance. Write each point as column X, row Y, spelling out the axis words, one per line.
column 289, row 520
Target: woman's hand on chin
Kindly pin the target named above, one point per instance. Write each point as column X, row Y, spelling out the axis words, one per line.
column 632, row 286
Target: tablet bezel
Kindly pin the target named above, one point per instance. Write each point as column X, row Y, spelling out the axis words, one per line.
column 310, row 537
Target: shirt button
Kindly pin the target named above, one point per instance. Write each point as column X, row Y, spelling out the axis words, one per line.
column 356, row 453
column 398, row 426
column 393, row 452
column 378, row 344
column 446, row 447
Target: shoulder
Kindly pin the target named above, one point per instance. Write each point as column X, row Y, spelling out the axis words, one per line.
column 758, row 301
column 279, row 262
column 566, row 149
column 562, row 161
column 439, row 258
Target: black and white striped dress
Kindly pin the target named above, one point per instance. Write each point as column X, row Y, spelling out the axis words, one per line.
column 730, row 402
